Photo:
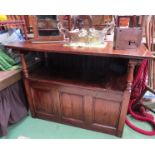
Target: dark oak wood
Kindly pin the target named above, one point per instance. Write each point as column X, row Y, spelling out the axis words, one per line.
column 48, row 26
column 139, row 53
column 84, row 87
column 24, row 65
column 75, row 105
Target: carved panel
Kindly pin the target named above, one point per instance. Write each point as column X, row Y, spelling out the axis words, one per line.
column 105, row 112
column 72, row 106
column 80, row 107
column 43, row 100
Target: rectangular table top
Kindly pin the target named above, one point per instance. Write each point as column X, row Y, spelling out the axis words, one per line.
column 107, row 50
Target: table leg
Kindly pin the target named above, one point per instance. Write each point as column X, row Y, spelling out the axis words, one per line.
column 126, row 98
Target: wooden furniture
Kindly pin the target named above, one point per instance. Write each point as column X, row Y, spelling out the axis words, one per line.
column 8, row 78
column 126, row 21
column 149, row 25
column 13, row 105
column 84, row 87
column 45, row 28
column 15, row 22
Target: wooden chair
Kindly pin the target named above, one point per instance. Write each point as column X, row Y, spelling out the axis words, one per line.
column 15, row 21
column 150, row 34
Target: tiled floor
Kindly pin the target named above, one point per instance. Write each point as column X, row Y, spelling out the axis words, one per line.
column 41, row 129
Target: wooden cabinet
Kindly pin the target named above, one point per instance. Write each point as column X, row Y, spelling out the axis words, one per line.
column 76, row 105
column 84, row 87
column 45, row 28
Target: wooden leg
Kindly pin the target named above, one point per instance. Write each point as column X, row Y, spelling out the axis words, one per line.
column 24, row 65
column 26, row 83
column 29, row 97
column 126, row 98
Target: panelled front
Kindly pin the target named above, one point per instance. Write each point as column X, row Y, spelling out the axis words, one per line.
column 105, row 114
column 72, row 110
column 44, row 99
column 88, row 108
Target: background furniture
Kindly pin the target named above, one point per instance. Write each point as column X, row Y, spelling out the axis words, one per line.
column 8, row 78
column 13, row 106
column 14, row 21
column 45, row 28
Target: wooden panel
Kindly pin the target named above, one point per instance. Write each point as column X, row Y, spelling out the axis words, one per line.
column 77, row 106
column 88, row 109
column 96, row 110
column 44, row 99
column 106, row 112
column 72, row 106
column 66, row 105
